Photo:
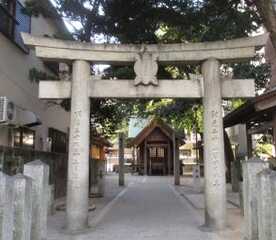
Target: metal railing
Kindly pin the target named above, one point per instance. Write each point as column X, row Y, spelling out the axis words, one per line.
column 12, row 161
column 7, row 22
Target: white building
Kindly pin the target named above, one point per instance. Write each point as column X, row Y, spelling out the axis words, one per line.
column 15, row 63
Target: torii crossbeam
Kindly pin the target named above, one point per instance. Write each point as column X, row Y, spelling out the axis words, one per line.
column 146, row 58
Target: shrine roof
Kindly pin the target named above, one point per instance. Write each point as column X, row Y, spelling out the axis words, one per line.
column 259, row 109
column 164, row 127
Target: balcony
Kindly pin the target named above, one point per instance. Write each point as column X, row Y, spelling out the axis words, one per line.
column 13, row 22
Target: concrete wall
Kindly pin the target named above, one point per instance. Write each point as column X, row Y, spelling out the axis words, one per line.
column 15, row 83
column 4, row 136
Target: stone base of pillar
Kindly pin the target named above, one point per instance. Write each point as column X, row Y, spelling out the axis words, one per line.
column 96, row 191
column 209, row 228
column 196, row 179
column 62, row 208
column 51, row 200
column 235, row 180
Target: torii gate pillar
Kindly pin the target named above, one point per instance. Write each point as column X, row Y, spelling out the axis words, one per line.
column 214, row 159
column 78, row 165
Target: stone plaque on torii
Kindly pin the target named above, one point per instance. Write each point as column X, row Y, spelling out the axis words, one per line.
column 211, row 87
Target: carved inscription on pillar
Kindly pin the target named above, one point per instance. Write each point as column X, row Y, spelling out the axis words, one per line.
column 76, row 148
column 146, row 68
column 215, row 153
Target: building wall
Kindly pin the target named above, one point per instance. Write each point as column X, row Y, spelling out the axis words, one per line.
column 15, row 83
column 4, row 136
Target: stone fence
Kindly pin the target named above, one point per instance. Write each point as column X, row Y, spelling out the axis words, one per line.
column 13, row 159
column 24, row 203
column 259, row 200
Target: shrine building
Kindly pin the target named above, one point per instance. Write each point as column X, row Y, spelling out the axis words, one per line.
column 156, row 145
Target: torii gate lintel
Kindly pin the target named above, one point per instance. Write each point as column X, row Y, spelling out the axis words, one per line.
column 232, row 88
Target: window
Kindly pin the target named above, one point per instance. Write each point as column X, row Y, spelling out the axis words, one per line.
column 186, row 152
column 13, row 21
column 23, row 138
column 152, row 152
column 158, row 152
column 58, row 140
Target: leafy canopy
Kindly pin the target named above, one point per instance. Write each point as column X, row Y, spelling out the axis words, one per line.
column 156, row 21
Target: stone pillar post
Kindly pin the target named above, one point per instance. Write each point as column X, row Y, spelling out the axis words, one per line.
column 176, row 161
column 101, row 178
column 249, row 143
column 273, row 206
column 196, row 178
column 250, row 192
column 274, row 130
column 22, row 207
column 214, row 159
column 134, row 162
column 145, row 159
column 93, row 177
column 169, row 158
column 6, row 207
column 78, row 164
column 39, row 173
column 97, row 178
column 264, row 203
column 121, row 160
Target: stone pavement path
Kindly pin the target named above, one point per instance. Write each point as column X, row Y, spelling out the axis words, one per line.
column 149, row 208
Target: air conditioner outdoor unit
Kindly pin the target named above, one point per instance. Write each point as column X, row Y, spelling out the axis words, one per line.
column 7, row 110
column 10, row 114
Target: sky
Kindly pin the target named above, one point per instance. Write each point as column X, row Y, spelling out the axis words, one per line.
column 72, row 26
column 76, row 25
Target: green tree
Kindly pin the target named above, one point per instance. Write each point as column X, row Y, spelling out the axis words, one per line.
column 159, row 21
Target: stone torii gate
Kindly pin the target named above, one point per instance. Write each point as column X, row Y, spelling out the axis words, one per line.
column 146, row 85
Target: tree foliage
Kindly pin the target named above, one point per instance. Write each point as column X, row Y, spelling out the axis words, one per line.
column 160, row 21
column 267, row 11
